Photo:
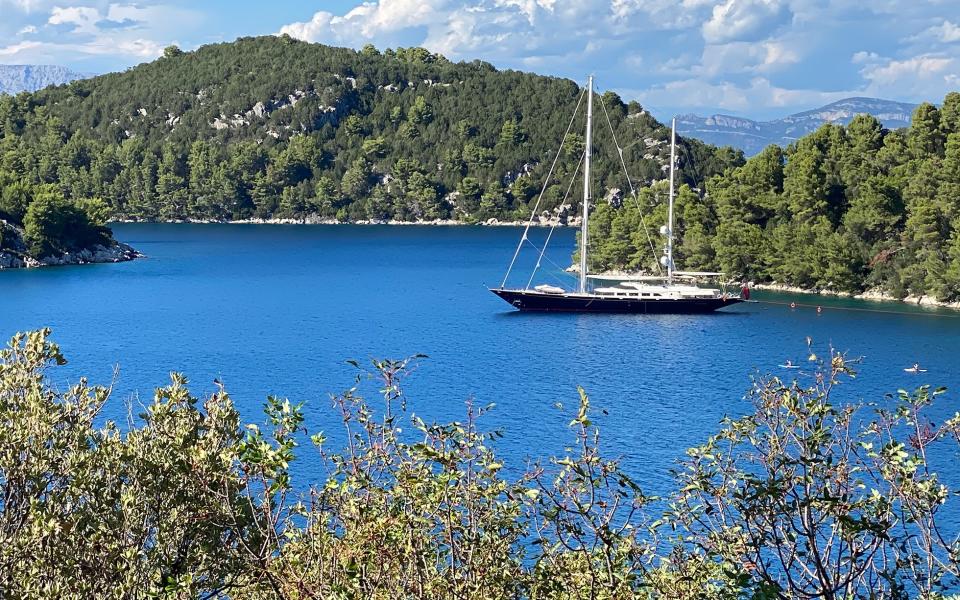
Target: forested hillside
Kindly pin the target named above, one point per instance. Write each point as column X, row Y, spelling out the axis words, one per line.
column 845, row 208
column 271, row 127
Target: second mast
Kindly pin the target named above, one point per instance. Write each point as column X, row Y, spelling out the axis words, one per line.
column 584, row 226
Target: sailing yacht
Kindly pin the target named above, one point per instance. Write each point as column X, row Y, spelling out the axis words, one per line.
column 672, row 292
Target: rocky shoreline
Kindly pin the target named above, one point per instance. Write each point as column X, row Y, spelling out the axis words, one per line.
column 539, row 222
column 874, row 295
column 118, row 252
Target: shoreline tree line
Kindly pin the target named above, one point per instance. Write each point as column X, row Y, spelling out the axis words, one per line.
column 846, row 208
column 271, row 127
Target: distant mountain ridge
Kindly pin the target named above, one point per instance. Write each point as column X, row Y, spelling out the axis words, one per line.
column 753, row 136
column 30, row 78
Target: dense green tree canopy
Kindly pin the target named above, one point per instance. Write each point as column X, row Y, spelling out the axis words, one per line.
column 273, row 127
column 46, row 223
column 845, row 208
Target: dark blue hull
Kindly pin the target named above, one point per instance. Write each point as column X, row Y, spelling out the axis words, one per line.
column 539, row 301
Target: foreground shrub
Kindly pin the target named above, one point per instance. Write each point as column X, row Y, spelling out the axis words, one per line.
column 805, row 499
column 89, row 511
column 799, row 499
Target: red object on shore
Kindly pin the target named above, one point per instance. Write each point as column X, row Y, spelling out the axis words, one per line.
column 745, row 292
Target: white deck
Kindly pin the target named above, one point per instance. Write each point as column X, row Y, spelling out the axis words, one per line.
column 646, row 291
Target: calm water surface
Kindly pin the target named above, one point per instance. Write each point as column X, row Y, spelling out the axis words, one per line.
column 278, row 310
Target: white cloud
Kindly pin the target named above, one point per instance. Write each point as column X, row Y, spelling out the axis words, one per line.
column 744, row 20
column 33, row 52
column 369, row 21
column 496, row 29
column 778, row 55
column 323, row 27
column 920, row 66
column 26, row 6
column 745, row 57
column 15, row 50
column 133, row 12
column 946, row 32
column 692, row 94
column 864, row 57
column 666, row 14
column 316, row 29
column 83, row 18
column 531, row 8
column 90, row 33
column 919, row 77
column 91, row 20
column 140, row 48
column 389, row 15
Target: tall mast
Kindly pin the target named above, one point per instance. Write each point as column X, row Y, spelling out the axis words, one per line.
column 673, row 164
column 584, row 232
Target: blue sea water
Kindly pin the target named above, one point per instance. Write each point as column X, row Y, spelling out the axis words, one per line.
column 271, row 309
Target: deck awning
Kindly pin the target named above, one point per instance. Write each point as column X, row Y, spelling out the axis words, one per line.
column 627, row 277
column 698, row 273
column 677, row 274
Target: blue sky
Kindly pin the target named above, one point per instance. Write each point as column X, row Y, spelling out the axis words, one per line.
column 757, row 58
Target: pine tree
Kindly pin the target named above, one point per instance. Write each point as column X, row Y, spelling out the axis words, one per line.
column 926, row 137
column 925, row 266
column 875, row 212
column 804, row 184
